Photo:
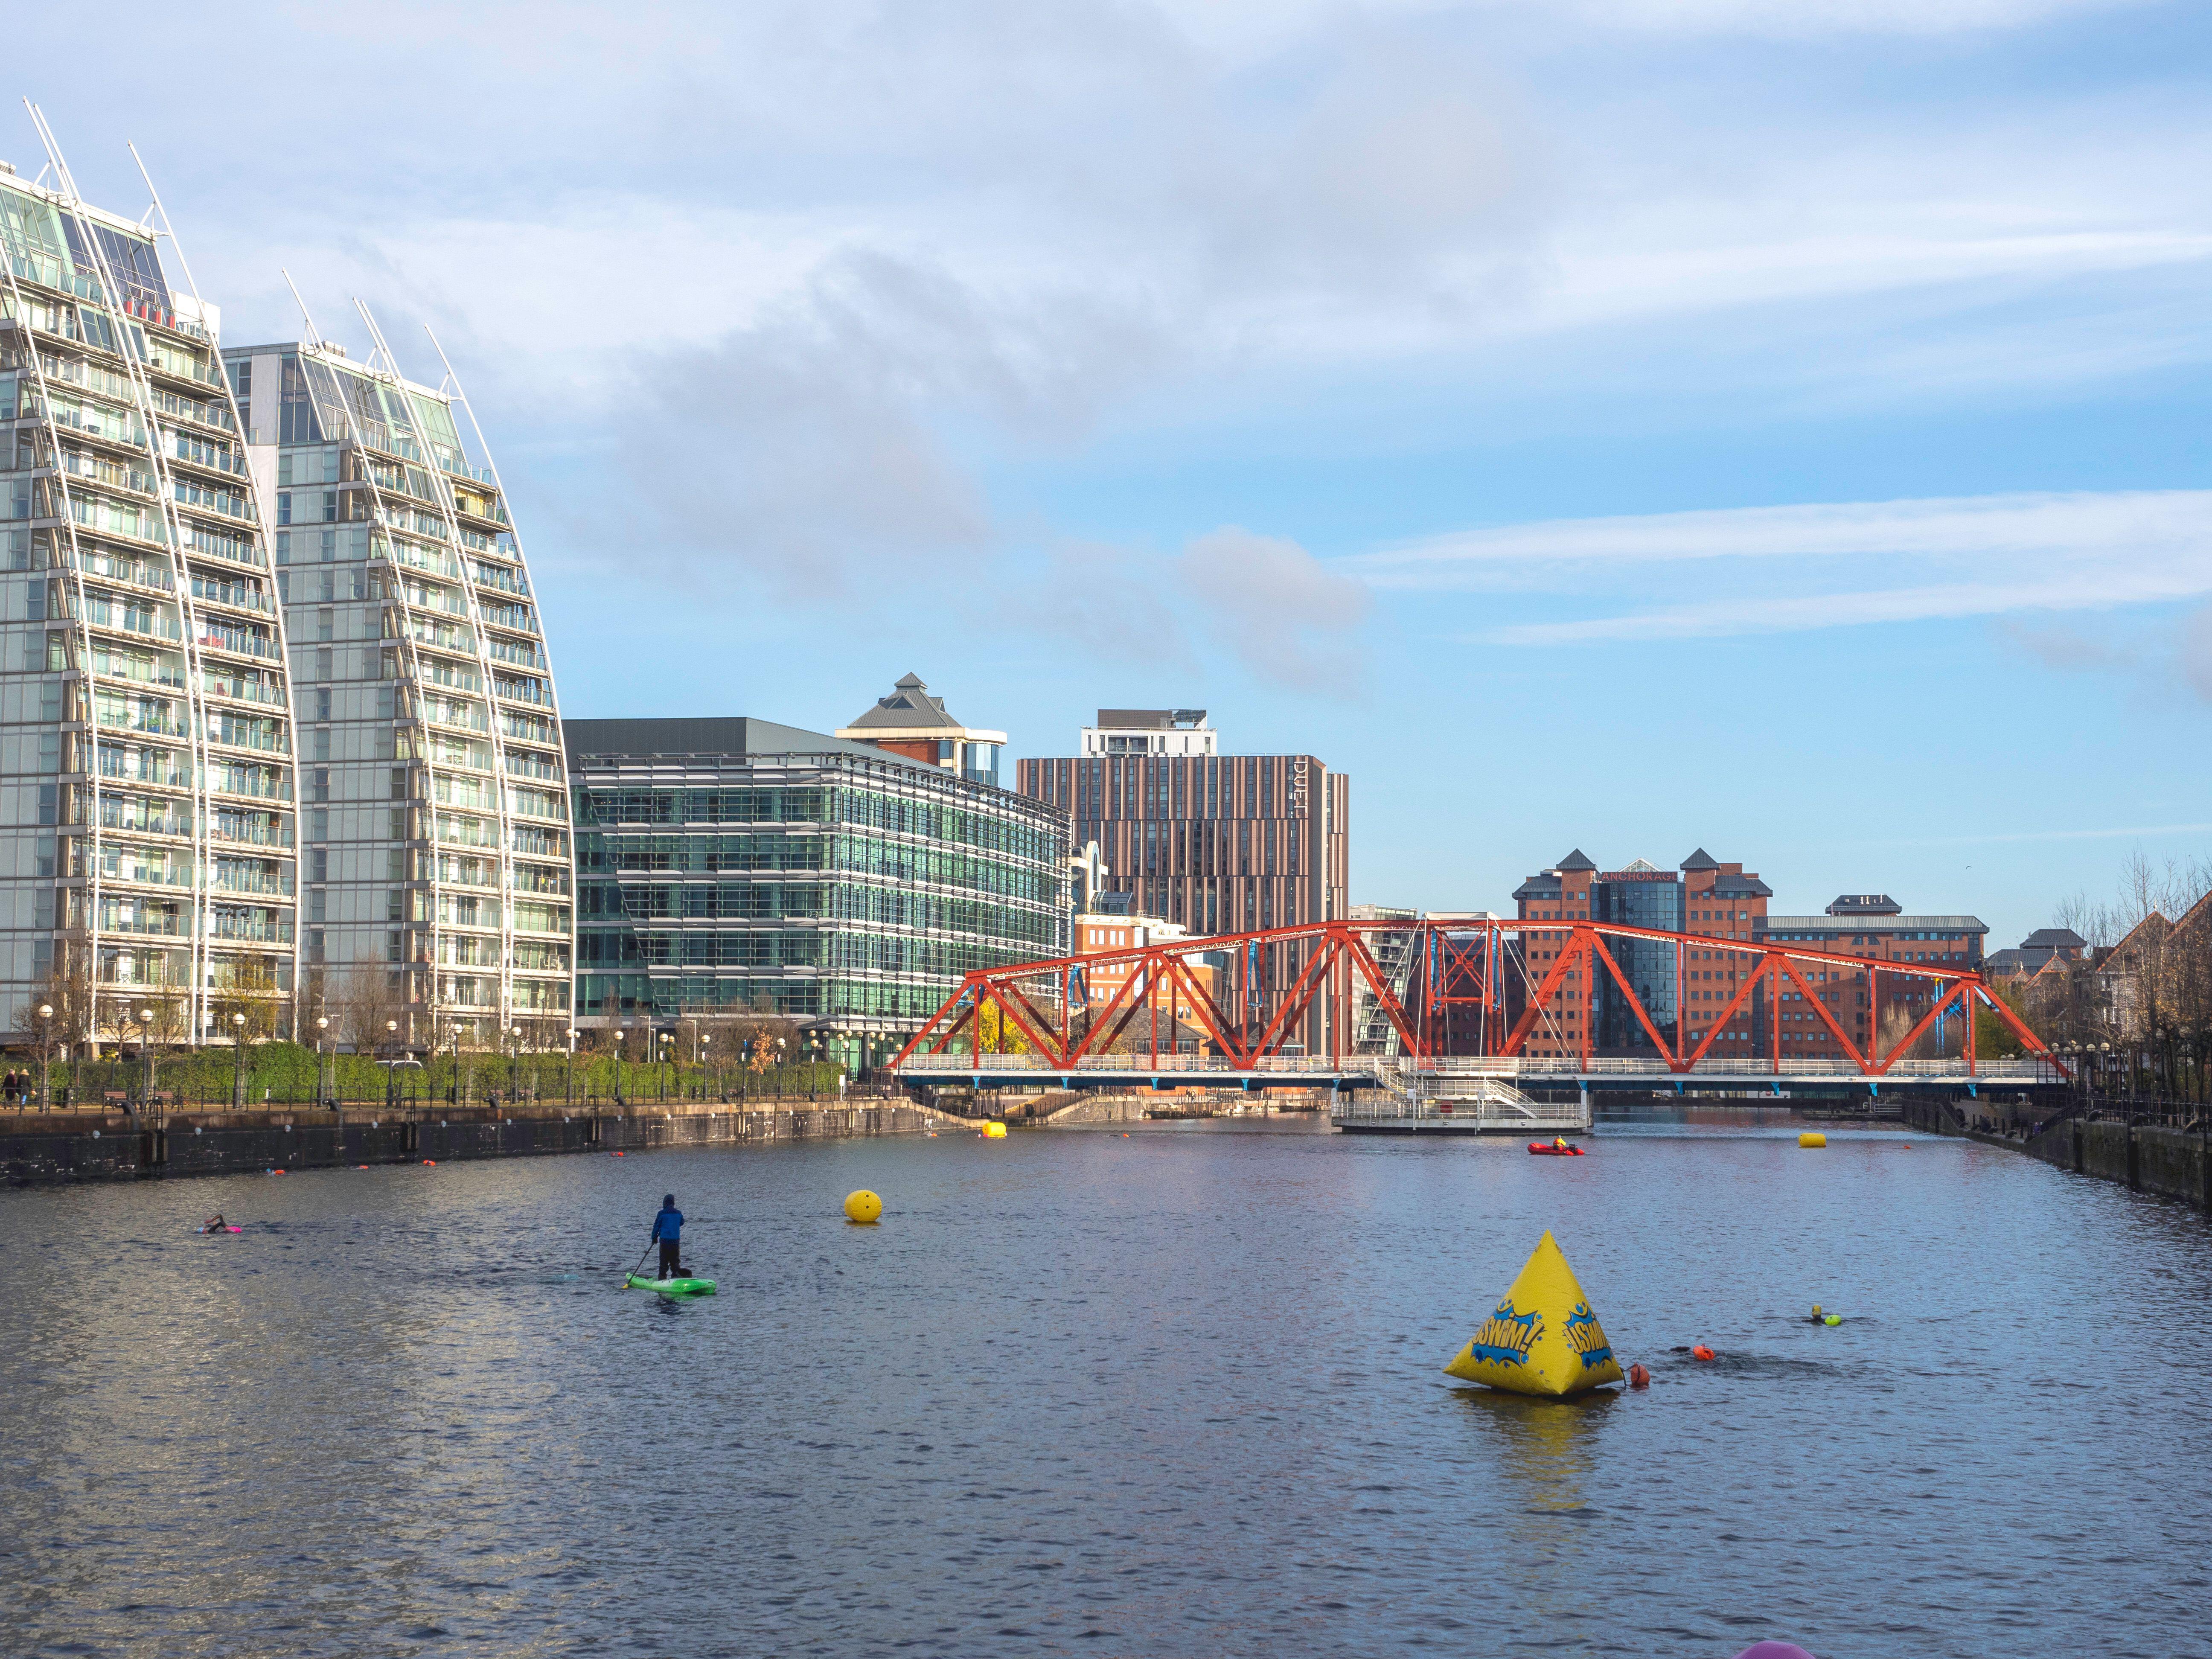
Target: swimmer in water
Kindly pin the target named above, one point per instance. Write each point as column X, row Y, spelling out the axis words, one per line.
column 216, row 1226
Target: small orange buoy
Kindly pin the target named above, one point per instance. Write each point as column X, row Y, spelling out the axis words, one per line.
column 1701, row 1352
column 1639, row 1377
column 430, row 1163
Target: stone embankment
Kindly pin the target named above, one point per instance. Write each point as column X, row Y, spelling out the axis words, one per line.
column 45, row 1148
column 2145, row 1156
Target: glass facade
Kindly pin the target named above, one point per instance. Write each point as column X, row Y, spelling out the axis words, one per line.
column 1636, row 899
column 849, row 888
column 148, row 827
column 437, row 862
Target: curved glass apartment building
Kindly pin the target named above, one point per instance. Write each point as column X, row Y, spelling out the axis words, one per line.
column 147, row 811
column 436, row 861
column 736, row 865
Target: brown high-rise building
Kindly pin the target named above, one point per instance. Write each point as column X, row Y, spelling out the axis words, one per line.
column 1221, row 843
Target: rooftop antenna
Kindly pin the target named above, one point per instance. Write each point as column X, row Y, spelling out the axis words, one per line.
column 314, row 334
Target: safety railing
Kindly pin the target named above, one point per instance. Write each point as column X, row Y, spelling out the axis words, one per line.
column 957, row 1059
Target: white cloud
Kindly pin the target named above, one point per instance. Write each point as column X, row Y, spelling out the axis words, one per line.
column 2002, row 553
column 1816, row 17
column 1289, row 619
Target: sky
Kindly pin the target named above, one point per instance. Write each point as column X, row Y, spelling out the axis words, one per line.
column 1772, row 426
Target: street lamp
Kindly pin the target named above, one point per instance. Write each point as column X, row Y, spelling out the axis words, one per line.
column 391, row 1067
column 514, row 1064
column 45, row 1048
column 146, row 1043
column 323, row 1090
column 238, row 1062
column 705, row 1038
column 664, row 1054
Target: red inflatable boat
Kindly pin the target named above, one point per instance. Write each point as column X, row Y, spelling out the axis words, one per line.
column 1555, row 1149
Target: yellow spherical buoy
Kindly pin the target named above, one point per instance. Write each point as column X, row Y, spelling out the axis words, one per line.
column 1812, row 1138
column 863, row 1207
column 1832, row 1319
column 994, row 1132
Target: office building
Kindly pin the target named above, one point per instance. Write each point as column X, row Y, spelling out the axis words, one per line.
column 1215, row 843
column 737, row 866
column 911, row 722
column 436, row 857
column 2038, row 951
column 1874, row 926
column 1171, row 732
column 1726, row 908
column 1721, row 903
column 147, row 831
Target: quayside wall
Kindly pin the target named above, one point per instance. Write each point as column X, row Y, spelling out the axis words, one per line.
column 2147, row 1157
column 49, row 1148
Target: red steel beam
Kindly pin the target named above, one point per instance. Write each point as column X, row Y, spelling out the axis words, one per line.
column 1340, row 951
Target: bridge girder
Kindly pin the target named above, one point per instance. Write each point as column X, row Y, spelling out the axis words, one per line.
column 1465, row 964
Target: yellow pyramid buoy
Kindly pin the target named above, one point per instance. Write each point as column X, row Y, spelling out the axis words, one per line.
column 862, row 1207
column 1543, row 1339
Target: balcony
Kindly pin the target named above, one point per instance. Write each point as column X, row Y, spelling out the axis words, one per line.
column 238, row 932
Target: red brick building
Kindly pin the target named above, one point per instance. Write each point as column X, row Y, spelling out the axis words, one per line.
column 1726, row 908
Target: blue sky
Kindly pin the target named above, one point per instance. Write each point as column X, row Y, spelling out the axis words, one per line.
column 1771, row 425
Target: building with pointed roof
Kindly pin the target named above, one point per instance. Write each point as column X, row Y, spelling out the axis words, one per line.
column 1706, row 896
column 2037, row 951
column 913, row 723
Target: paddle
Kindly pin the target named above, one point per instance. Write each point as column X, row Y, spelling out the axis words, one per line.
column 632, row 1273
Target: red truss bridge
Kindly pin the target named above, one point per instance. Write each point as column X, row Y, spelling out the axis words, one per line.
column 1368, row 1001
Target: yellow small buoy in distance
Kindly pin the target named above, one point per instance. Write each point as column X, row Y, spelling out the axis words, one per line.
column 1812, row 1138
column 1832, row 1319
column 994, row 1132
column 863, row 1207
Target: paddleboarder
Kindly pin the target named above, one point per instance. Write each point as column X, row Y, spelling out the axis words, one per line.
column 667, row 1233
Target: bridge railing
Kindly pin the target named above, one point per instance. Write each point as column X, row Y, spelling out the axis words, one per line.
column 955, row 1065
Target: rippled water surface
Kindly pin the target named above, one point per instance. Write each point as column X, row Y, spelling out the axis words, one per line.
column 1173, row 1393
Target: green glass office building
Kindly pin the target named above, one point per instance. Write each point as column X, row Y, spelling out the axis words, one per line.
column 737, row 866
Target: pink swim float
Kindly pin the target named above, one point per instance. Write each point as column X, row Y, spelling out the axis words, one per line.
column 1774, row 1650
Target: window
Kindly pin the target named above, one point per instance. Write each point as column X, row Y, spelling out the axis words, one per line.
column 284, row 507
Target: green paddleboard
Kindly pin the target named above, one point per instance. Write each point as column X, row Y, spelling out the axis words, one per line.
column 671, row 1286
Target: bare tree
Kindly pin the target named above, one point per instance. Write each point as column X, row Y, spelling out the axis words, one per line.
column 362, row 1003
column 246, row 1002
column 68, row 990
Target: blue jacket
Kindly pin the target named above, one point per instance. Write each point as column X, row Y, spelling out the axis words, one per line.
column 668, row 1225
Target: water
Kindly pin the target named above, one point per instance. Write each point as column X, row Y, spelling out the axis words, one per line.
column 1173, row 1393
